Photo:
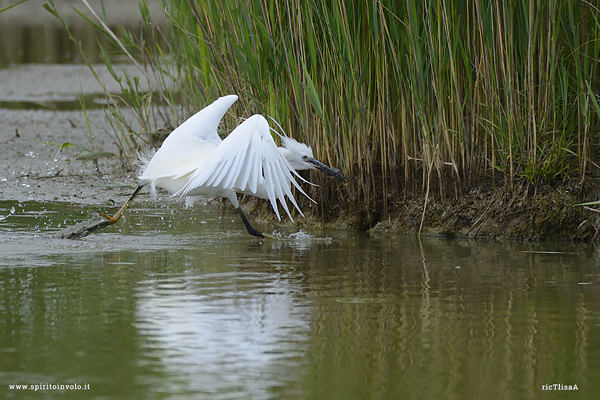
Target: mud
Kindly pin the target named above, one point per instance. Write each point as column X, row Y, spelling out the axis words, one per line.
column 30, row 166
column 33, row 103
column 521, row 211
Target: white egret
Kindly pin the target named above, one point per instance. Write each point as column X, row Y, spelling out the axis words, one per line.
column 194, row 161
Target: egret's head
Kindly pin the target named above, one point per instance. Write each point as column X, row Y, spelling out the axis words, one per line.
column 300, row 156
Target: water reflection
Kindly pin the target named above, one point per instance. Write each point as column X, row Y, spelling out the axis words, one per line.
column 232, row 332
column 47, row 44
column 501, row 320
column 183, row 303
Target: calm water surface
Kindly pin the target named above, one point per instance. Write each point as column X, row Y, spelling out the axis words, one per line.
column 183, row 304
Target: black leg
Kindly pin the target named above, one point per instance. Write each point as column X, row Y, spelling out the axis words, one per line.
column 249, row 228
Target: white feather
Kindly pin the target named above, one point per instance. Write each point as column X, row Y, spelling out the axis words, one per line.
column 194, row 161
column 247, row 161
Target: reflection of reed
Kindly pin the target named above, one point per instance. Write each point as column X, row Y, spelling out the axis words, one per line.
column 46, row 44
column 582, row 347
column 347, row 319
column 425, row 287
column 403, row 318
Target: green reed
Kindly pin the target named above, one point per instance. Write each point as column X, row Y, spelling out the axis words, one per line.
column 405, row 97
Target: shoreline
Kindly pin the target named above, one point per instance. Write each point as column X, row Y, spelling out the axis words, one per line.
column 523, row 212
column 31, row 171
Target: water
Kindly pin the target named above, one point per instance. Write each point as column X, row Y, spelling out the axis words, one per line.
column 43, row 69
column 183, row 304
column 23, row 44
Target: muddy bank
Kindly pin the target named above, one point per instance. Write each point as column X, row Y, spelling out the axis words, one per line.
column 522, row 211
column 30, row 170
column 30, row 167
column 39, row 105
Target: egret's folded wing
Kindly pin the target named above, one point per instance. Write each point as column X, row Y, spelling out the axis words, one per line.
column 248, row 160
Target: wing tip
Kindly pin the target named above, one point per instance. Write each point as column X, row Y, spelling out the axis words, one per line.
column 230, row 98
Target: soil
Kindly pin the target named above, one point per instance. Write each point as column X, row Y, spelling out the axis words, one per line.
column 521, row 210
column 30, row 171
column 30, row 168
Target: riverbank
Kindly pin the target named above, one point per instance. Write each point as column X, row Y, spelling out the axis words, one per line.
column 31, row 170
column 522, row 211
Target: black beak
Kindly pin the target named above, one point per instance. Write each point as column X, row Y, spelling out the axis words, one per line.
column 328, row 170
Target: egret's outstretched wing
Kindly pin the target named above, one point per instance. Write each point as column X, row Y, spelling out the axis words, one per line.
column 249, row 161
column 186, row 146
column 203, row 125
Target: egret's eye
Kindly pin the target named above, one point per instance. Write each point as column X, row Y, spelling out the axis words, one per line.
column 305, row 157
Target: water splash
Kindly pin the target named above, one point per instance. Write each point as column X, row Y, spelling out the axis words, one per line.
column 301, row 240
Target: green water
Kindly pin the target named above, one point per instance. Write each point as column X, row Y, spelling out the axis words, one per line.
column 91, row 102
column 183, row 304
column 47, row 44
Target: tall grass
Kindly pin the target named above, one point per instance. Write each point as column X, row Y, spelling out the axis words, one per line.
column 405, row 97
